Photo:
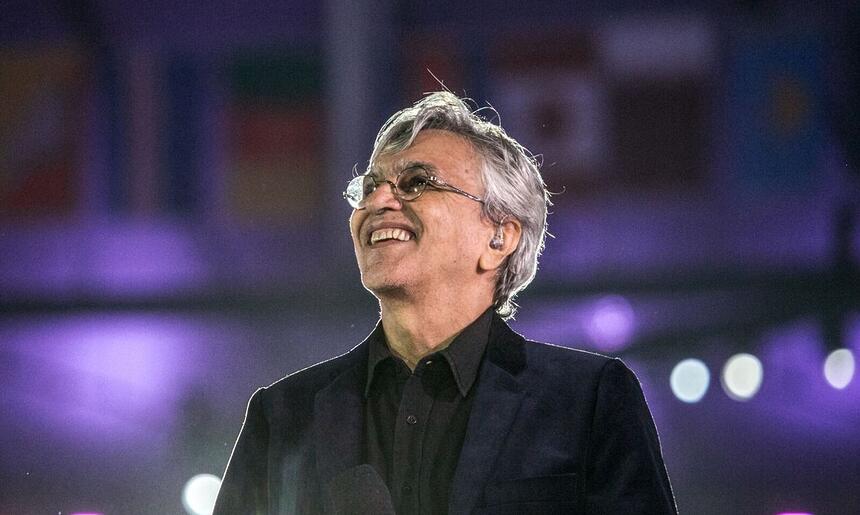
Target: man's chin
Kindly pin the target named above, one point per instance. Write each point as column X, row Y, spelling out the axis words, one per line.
column 385, row 288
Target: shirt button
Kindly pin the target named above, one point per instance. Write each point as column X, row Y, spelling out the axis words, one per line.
column 411, row 420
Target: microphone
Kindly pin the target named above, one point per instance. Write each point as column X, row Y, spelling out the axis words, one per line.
column 360, row 491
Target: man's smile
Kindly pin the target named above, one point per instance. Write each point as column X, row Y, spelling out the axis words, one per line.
column 378, row 232
column 390, row 234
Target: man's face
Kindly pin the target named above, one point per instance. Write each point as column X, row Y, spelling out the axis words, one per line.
column 444, row 232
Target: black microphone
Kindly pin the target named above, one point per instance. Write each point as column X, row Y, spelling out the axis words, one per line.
column 360, row 491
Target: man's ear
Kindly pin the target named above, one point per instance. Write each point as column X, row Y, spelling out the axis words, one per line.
column 503, row 244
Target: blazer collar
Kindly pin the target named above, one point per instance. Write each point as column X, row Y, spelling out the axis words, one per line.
column 497, row 401
column 339, row 415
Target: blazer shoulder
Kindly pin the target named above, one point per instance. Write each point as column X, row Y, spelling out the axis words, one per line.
column 542, row 351
column 555, row 363
column 309, row 380
column 542, row 361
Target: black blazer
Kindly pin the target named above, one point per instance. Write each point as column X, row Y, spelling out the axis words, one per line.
column 552, row 430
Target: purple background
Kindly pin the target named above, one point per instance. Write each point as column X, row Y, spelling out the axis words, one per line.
column 703, row 214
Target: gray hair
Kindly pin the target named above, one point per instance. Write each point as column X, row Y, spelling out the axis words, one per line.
column 513, row 184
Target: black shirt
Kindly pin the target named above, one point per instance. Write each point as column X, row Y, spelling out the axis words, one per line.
column 416, row 421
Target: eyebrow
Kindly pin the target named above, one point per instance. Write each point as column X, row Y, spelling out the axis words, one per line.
column 405, row 165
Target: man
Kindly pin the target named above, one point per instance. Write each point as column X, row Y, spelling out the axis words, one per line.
column 443, row 408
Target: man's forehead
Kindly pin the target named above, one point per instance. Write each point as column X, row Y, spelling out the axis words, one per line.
column 438, row 151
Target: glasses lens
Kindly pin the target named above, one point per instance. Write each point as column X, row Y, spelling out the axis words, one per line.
column 368, row 186
column 412, row 183
column 358, row 189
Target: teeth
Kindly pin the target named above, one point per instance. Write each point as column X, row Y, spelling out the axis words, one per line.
column 390, row 234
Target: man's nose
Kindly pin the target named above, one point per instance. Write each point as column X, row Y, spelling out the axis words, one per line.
column 383, row 197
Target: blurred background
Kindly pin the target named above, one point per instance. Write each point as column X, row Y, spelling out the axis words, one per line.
column 172, row 232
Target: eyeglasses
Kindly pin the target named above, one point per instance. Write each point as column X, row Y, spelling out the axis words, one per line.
column 407, row 186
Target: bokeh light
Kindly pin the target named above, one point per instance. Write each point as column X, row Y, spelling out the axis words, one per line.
column 199, row 494
column 839, row 368
column 742, row 376
column 690, row 380
column 611, row 324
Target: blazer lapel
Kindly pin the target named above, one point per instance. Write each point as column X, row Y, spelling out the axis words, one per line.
column 497, row 401
column 339, row 420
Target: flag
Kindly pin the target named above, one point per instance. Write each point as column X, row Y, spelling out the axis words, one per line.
column 41, row 123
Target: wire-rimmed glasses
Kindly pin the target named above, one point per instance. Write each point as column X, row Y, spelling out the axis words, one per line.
column 407, row 186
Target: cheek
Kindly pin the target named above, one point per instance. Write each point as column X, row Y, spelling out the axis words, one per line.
column 464, row 234
column 354, row 224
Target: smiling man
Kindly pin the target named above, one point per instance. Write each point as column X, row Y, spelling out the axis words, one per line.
column 443, row 408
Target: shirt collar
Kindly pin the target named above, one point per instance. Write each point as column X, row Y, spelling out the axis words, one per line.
column 463, row 355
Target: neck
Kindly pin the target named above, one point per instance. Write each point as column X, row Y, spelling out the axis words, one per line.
column 416, row 329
